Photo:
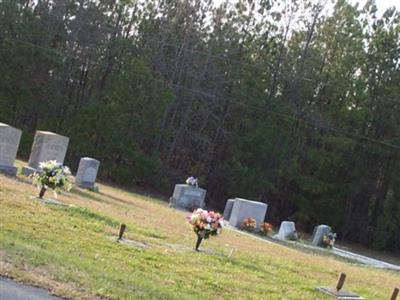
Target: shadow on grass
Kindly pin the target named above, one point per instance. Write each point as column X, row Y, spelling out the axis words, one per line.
column 87, row 194
column 117, row 199
column 89, row 215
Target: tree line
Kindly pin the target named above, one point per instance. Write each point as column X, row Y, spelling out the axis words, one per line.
column 292, row 103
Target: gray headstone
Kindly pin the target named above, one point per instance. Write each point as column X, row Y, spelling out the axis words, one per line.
column 287, row 231
column 46, row 146
column 9, row 143
column 188, row 197
column 319, row 233
column 228, row 209
column 87, row 172
column 243, row 208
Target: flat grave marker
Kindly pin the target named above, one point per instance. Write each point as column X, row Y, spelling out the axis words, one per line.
column 337, row 292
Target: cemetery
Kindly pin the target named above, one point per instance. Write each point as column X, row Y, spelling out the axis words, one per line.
column 87, row 227
column 199, row 149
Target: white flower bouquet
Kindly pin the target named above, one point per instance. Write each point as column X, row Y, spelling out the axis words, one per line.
column 53, row 175
column 192, row 181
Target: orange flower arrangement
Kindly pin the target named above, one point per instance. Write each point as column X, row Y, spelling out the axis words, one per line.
column 249, row 224
column 266, row 228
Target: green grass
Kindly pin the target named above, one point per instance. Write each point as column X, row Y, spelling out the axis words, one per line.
column 69, row 250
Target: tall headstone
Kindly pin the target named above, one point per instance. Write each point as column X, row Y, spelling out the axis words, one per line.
column 319, row 233
column 188, row 197
column 9, row 143
column 46, row 146
column 228, row 209
column 87, row 172
column 287, row 231
column 243, row 209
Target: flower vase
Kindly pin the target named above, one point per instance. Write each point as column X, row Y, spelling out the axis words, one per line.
column 42, row 192
column 198, row 242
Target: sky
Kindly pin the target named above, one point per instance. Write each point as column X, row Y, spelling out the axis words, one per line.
column 381, row 4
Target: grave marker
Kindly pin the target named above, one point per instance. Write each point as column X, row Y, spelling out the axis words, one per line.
column 46, row 146
column 9, row 143
column 228, row 209
column 337, row 292
column 395, row 294
column 287, row 231
column 121, row 231
column 319, row 232
column 87, row 172
column 188, row 197
column 243, row 208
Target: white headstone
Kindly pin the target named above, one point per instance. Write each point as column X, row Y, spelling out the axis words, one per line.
column 46, row 146
column 243, row 209
column 319, row 233
column 188, row 197
column 287, row 231
column 9, row 143
column 87, row 172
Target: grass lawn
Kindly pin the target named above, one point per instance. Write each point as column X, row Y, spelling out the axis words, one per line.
column 69, row 251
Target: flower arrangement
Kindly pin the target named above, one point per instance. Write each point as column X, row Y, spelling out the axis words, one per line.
column 249, row 224
column 52, row 175
column 192, row 181
column 205, row 224
column 266, row 228
column 328, row 240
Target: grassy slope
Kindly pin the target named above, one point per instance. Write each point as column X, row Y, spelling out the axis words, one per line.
column 69, row 251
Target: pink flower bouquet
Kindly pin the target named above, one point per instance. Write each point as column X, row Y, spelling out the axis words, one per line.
column 205, row 224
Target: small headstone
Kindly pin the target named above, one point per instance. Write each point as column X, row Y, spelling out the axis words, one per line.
column 287, row 231
column 337, row 292
column 46, row 146
column 395, row 294
column 87, row 172
column 228, row 209
column 319, row 232
column 9, row 142
column 243, row 209
column 188, row 197
column 121, row 231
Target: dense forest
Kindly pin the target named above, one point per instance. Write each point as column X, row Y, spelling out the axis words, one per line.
column 292, row 103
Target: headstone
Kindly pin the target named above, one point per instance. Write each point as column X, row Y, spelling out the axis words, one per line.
column 287, row 231
column 243, row 208
column 337, row 292
column 319, row 232
column 87, row 172
column 46, row 146
column 9, row 142
column 228, row 209
column 188, row 197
